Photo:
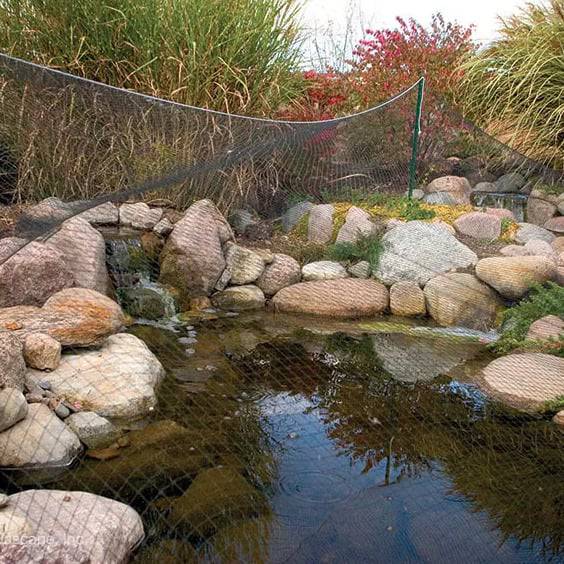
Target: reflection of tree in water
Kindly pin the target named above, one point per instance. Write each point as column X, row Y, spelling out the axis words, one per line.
column 508, row 464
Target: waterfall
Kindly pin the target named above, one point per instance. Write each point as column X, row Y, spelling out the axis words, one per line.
column 516, row 203
column 135, row 278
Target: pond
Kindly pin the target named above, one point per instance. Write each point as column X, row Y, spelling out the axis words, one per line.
column 285, row 439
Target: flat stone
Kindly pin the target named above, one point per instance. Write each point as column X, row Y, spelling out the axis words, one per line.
column 245, row 265
column 345, row 297
column 93, row 430
column 320, row 224
column 458, row 299
column 240, row 298
column 556, row 225
column 545, row 328
column 479, row 225
column 323, row 270
column 104, row 214
column 13, row 407
column 528, row 379
column 442, row 199
column 41, row 351
column 12, row 364
column 139, row 215
column 164, row 227
column 40, row 439
column 117, row 381
column 513, row 276
column 73, row 317
column 420, row 251
column 80, row 527
column 84, row 253
column 281, row 272
column 34, row 273
column 407, row 299
column 528, row 231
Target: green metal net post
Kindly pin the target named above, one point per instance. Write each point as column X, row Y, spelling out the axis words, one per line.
column 415, row 140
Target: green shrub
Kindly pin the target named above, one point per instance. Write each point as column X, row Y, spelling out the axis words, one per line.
column 223, row 54
column 367, row 247
column 515, row 86
column 542, row 301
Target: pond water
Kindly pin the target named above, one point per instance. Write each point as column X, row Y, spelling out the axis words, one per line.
column 282, row 439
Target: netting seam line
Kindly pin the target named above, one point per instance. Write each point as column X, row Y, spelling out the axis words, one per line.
column 163, row 101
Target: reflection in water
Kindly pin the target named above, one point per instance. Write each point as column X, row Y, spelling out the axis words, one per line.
column 276, row 444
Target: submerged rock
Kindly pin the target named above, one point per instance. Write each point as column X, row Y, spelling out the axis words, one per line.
column 92, row 429
column 141, row 302
column 216, row 497
column 420, row 251
column 526, row 380
column 80, row 527
column 116, row 381
column 40, row 439
column 346, row 297
column 31, row 275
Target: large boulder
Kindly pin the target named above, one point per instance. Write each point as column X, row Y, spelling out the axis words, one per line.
column 294, row 214
column 420, row 251
column 281, row 272
column 462, row 300
column 407, row 299
column 40, row 439
column 12, row 364
column 13, row 407
column 528, row 231
column 139, row 215
column 79, row 527
column 345, row 297
column 526, row 380
column 479, row 225
column 41, row 351
column 30, row 273
column 320, row 224
column 357, row 224
column 84, row 253
column 193, row 259
column 323, row 270
column 539, row 211
column 457, row 187
column 513, row 276
column 117, row 381
column 73, row 317
column 244, row 265
column 239, row 298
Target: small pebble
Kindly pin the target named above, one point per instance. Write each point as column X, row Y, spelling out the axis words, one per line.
column 4, row 500
column 33, row 398
column 62, row 411
column 187, row 341
column 44, row 384
column 211, row 367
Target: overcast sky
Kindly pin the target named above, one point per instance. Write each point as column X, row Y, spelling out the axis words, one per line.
column 482, row 13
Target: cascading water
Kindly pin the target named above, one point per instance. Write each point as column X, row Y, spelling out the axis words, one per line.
column 516, row 203
column 134, row 275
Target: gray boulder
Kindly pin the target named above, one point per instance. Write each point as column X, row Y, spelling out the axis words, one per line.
column 30, row 273
column 139, row 216
column 104, row 214
column 511, row 182
column 84, row 254
column 41, row 439
column 323, row 270
column 441, row 199
column 92, row 429
column 528, row 231
column 164, row 227
column 80, row 527
column 192, row 259
column 420, row 251
column 245, row 265
column 117, row 381
column 293, row 216
column 13, row 407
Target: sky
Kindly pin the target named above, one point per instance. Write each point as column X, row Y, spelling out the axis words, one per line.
column 321, row 15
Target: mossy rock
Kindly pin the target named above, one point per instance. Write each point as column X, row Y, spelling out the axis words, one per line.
column 244, row 541
column 216, row 498
column 159, row 457
column 142, row 302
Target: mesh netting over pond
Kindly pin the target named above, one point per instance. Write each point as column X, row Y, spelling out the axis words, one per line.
column 222, row 418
